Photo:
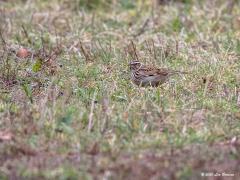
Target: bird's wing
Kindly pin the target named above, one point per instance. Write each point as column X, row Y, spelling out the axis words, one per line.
column 153, row 72
column 163, row 71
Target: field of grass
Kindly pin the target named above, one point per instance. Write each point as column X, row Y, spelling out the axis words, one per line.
column 68, row 109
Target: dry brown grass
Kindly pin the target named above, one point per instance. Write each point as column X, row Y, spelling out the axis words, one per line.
column 69, row 111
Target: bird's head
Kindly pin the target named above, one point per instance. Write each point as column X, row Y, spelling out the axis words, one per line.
column 134, row 65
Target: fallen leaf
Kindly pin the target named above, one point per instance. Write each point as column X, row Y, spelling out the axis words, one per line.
column 5, row 136
column 22, row 53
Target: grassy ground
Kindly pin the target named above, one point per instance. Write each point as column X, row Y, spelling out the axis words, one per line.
column 69, row 111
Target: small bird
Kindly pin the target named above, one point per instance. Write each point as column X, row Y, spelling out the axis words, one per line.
column 144, row 76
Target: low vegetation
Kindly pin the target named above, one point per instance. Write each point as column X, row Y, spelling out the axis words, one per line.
column 68, row 109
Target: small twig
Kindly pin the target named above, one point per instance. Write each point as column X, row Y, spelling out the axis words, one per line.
column 143, row 28
column 86, row 55
column 238, row 98
column 3, row 40
column 134, row 51
column 105, row 109
column 90, row 119
column 148, row 47
column 26, row 34
column 177, row 47
column 103, row 50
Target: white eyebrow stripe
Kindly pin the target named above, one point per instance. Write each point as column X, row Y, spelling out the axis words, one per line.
column 135, row 62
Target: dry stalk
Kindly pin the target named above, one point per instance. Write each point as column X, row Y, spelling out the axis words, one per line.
column 90, row 119
column 238, row 98
column 143, row 28
column 26, row 35
column 86, row 54
column 105, row 109
column 132, row 51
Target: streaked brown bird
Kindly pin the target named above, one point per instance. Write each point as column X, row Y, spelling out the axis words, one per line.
column 144, row 76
